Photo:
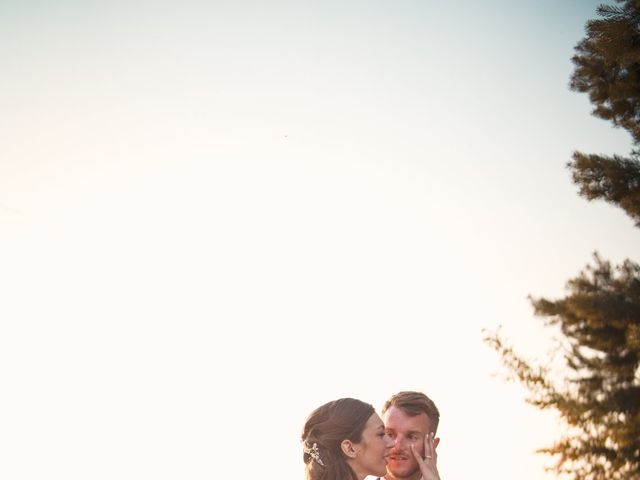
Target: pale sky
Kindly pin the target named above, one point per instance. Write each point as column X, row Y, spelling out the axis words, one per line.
column 216, row 216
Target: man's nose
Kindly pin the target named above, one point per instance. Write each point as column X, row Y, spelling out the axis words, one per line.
column 399, row 442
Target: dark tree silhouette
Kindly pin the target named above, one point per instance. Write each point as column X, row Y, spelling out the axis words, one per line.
column 599, row 318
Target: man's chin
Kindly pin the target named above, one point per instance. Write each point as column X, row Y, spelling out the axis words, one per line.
column 401, row 471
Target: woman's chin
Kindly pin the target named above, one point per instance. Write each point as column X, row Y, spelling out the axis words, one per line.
column 382, row 472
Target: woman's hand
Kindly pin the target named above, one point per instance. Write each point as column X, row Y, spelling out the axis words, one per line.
column 428, row 463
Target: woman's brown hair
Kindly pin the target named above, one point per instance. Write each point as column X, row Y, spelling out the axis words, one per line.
column 325, row 429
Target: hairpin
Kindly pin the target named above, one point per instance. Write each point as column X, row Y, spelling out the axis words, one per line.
column 313, row 452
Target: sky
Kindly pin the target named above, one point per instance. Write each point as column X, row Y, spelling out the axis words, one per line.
column 216, row 216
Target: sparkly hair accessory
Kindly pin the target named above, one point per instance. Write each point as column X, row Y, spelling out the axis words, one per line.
column 313, row 452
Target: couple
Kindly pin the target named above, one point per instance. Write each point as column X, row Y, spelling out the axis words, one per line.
column 346, row 440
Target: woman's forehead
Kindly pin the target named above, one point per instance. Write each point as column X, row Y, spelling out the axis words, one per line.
column 374, row 421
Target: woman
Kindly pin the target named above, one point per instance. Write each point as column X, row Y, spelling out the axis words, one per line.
column 345, row 440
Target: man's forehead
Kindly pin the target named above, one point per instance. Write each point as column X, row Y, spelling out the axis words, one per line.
column 396, row 419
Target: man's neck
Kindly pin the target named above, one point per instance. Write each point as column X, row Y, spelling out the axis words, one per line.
column 415, row 476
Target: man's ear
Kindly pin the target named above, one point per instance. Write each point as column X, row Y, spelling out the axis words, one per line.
column 348, row 448
column 436, row 441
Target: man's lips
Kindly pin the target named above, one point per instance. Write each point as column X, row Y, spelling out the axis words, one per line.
column 396, row 458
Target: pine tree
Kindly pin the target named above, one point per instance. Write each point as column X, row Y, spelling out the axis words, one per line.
column 599, row 318
column 607, row 67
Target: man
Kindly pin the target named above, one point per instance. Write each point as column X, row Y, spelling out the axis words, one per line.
column 411, row 420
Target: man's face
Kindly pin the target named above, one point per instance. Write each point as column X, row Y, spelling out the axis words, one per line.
column 405, row 431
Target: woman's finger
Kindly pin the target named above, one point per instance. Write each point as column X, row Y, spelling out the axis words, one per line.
column 429, row 448
column 427, row 464
column 421, row 463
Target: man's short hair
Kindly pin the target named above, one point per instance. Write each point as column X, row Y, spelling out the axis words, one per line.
column 414, row 403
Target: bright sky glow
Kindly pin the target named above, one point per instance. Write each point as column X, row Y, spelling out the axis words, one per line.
column 215, row 216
